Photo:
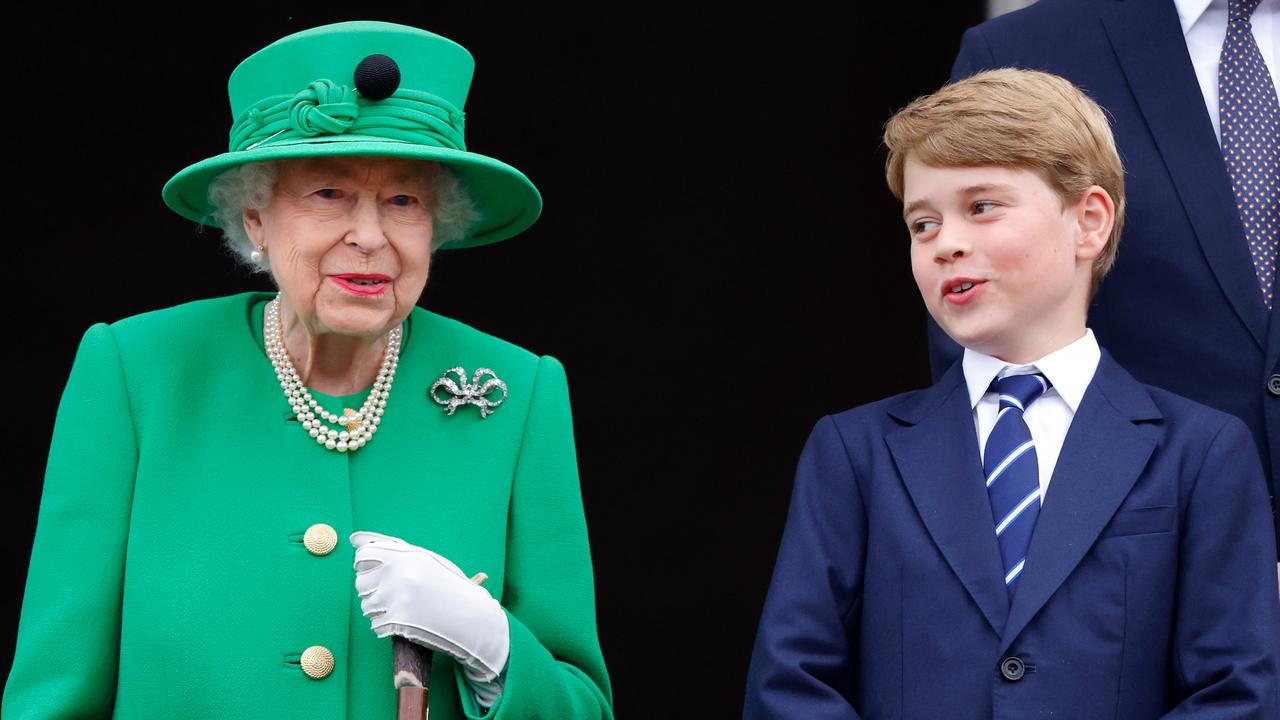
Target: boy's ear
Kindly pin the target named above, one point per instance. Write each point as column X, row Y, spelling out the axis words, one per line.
column 1095, row 216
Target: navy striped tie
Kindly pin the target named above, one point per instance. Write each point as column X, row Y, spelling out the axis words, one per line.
column 1013, row 475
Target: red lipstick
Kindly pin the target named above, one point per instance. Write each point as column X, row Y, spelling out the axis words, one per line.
column 362, row 284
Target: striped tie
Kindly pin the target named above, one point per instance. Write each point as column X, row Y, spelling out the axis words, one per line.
column 1250, row 128
column 1013, row 476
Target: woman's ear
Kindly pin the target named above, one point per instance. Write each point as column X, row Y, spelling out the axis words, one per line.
column 253, row 226
column 1095, row 216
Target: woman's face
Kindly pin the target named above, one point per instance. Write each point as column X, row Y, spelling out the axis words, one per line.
column 348, row 240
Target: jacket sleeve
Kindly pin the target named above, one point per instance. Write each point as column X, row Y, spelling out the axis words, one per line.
column 804, row 663
column 1226, row 639
column 65, row 663
column 555, row 668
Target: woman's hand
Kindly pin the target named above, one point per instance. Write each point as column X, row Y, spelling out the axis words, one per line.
column 416, row 594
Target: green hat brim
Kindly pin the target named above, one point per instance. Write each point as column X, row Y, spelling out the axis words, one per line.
column 506, row 200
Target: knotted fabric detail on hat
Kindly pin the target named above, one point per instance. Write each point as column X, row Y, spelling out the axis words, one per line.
column 326, row 108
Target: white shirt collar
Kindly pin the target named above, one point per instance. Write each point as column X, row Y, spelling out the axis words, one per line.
column 1070, row 369
column 1189, row 11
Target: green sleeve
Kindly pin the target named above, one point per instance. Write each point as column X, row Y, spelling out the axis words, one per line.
column 65, row 663
column 555, row 669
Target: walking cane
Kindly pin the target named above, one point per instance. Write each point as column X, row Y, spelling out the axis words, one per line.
column 412, row 665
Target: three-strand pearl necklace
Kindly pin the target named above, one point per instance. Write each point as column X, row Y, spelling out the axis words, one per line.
column 355, row 427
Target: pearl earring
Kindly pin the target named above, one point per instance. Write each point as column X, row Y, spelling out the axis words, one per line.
column 256, row 255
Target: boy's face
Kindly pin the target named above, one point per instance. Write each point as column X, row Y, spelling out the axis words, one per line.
column 1003, row 268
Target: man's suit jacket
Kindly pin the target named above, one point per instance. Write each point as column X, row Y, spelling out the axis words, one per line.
column 1149, row 580
column 1182, row 309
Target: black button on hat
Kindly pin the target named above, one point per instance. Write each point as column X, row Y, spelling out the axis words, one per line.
column 377, row 76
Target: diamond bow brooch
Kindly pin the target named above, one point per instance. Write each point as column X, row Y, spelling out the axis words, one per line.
column 476, row 392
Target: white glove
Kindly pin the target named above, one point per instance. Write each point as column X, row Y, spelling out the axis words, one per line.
column 416, row 594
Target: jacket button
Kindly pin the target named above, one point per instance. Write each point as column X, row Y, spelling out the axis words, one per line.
column 1273, row 385
column 317, row 662
column 320, row 539
column 1013, row 669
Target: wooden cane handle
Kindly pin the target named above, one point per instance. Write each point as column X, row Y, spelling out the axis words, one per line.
column 412, row 664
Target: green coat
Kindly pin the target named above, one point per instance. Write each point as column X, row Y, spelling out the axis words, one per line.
column 168, row 577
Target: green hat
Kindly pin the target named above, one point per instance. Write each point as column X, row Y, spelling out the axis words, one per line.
column 361, row 88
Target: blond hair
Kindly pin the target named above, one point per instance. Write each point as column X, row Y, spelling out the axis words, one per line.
column 1014, row 118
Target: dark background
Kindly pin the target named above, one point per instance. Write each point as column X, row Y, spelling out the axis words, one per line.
column 718, row 263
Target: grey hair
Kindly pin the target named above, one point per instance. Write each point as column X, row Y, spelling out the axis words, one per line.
column 249, row 187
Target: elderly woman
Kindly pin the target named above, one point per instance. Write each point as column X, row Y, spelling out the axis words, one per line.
column 213, row 453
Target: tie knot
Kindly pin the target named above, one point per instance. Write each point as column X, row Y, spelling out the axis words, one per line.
column 1238, row 10
column 1019, row 391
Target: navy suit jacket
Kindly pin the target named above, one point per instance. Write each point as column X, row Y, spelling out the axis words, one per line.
column 1182, row 309
column 1149, row 583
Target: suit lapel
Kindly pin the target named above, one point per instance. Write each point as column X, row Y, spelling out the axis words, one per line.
column 1149, row 45
column 1105, row 451
column 937, row 457
column 1273, row 342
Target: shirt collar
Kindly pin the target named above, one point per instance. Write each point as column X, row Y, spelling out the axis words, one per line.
column 1189, row 11
column 1070, row 369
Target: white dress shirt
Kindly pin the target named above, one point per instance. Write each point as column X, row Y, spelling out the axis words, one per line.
column 1204, row 25
column 1069, row 370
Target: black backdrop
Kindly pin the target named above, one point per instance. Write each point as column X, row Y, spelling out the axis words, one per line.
column 718, row 263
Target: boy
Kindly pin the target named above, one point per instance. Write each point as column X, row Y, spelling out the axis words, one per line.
column 1038, row 534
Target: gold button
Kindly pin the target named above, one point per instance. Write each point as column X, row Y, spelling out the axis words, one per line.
column 317, row 662
column 320, row 539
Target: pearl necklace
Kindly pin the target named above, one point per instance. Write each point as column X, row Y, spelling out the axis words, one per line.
column 357, row 426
